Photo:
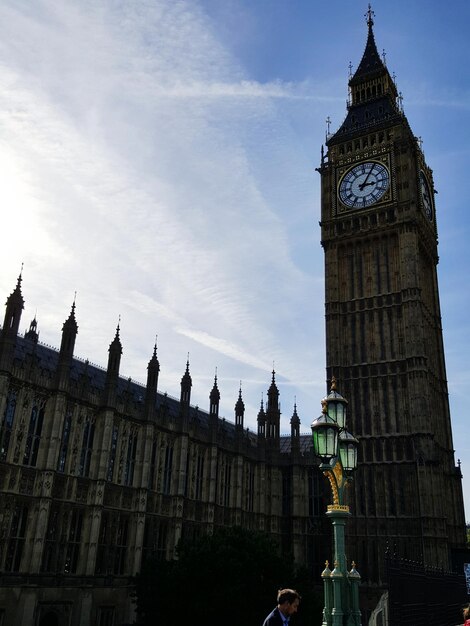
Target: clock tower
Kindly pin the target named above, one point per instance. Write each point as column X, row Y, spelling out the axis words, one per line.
column 383, row 327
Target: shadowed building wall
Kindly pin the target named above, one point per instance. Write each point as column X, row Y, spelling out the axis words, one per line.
column 98, row 472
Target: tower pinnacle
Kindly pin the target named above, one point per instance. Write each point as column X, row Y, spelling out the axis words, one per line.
column 369, row 15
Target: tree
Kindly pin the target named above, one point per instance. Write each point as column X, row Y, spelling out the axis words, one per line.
column 229, row 578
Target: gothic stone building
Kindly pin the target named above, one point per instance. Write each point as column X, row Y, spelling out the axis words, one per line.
column 97, row 472
column 383, row 326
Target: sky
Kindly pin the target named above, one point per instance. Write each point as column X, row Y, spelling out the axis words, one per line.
column 157, row 159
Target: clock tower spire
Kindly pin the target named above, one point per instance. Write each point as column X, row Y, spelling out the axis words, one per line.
column 373, row 95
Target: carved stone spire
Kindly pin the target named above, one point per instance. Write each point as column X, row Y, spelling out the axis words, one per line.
column 295, row 423
column 153, row 370
column 214, row 398
column 112, row 373
column 239, row 409
column 273, row 413
column 11, row 324
column 67, row 345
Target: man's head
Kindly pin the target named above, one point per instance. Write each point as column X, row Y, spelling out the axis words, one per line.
column 288, row 601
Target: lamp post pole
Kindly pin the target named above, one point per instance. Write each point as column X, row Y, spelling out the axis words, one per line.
column 337, row 449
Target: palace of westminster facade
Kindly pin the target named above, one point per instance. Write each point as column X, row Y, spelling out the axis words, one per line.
column 98, row 472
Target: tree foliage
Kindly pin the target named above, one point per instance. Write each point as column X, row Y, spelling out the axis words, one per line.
column 229, row 578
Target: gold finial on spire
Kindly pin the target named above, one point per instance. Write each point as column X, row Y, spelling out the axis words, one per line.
column 400, row 102
column 20, row 277
column 328, row 124
column 333, row 383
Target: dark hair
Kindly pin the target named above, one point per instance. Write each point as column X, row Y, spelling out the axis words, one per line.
column 466, row 612
column 287, row 595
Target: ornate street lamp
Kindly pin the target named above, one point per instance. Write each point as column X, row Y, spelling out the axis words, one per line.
column 337, row 449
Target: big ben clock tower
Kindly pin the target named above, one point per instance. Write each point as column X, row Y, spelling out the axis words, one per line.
column 383, row 327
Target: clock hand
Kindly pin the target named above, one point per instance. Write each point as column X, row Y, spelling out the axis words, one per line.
column 361, row 187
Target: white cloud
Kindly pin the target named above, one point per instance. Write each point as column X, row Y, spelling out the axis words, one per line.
column 142, row 166
column 143, row 156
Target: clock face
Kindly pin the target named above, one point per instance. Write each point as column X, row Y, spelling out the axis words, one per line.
column 364, row 184
column 426, row 196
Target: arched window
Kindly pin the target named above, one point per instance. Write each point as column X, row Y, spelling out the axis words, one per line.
column 49, row 619
column 199, row 475
column 34, row 433
column 7, row 424
column 64, row 444
column 73, row 543
column 112, row 452
column 16, row 539
column 130, row 458
column 87, row 447
column 168, row 467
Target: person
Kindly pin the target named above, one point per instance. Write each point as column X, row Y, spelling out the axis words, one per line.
column 288, row 601
column 466, row 615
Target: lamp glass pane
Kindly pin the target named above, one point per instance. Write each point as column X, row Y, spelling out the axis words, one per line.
column 319, row 442
column 332, row 437
column 341, row 414
column 325, row 441
column 332, row 410
column 348, row 455
column 337, row 411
